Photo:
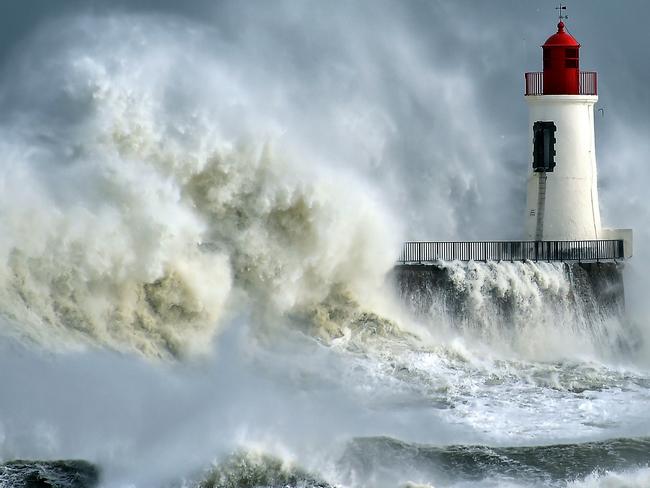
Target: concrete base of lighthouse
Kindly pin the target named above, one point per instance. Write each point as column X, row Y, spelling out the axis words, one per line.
column 563, row 204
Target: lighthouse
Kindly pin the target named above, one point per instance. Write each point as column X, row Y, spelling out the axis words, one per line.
column 562, row 220
column 562, row 196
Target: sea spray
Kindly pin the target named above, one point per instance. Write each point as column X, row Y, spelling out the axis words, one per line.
column 131, row 208
column 254, row 469
column 536, row 311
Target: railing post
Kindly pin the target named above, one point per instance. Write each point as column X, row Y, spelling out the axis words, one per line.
column 621, row 249
column 420, row 252
column 580, row 251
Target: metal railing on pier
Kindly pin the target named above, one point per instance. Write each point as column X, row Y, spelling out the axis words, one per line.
column 418, row 252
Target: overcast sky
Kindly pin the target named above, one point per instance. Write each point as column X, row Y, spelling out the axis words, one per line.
column 437, row 87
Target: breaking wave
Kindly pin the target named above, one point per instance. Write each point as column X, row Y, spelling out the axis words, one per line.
column 137, row 204
column 387, row 462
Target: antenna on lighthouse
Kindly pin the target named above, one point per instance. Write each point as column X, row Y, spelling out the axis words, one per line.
column 559, row 9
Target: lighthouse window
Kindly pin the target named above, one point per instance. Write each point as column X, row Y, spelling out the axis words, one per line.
column 571, row 57
column 571, row 52
column 547, row 59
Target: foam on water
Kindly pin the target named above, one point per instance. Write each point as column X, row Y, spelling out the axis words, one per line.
column 638, row 478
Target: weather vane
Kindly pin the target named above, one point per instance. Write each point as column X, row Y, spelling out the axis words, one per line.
column 559, row 9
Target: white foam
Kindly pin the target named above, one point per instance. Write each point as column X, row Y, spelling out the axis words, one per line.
column 106, row 213
column 639, row 478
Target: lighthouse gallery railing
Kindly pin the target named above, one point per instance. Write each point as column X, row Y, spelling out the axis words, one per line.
column 588, row 83
column 418, row 252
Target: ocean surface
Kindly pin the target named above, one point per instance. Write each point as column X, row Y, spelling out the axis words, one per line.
column 449, row 403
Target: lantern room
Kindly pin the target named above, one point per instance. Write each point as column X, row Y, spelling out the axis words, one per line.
column 561, row 75
column 561, row 63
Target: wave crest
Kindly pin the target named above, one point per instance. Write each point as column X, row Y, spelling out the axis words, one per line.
column 136, row 200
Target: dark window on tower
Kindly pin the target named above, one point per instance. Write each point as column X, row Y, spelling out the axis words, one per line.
column 571, row 52
column 571, row 57
column 547, row 59
column 543, row 146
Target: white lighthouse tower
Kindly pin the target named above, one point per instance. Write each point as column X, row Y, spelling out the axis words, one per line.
column 562, row 197
column 562, row 202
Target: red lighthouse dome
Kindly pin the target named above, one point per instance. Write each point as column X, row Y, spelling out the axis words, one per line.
column 561, row 63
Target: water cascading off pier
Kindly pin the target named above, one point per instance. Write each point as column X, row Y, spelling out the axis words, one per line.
column 521, row 302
